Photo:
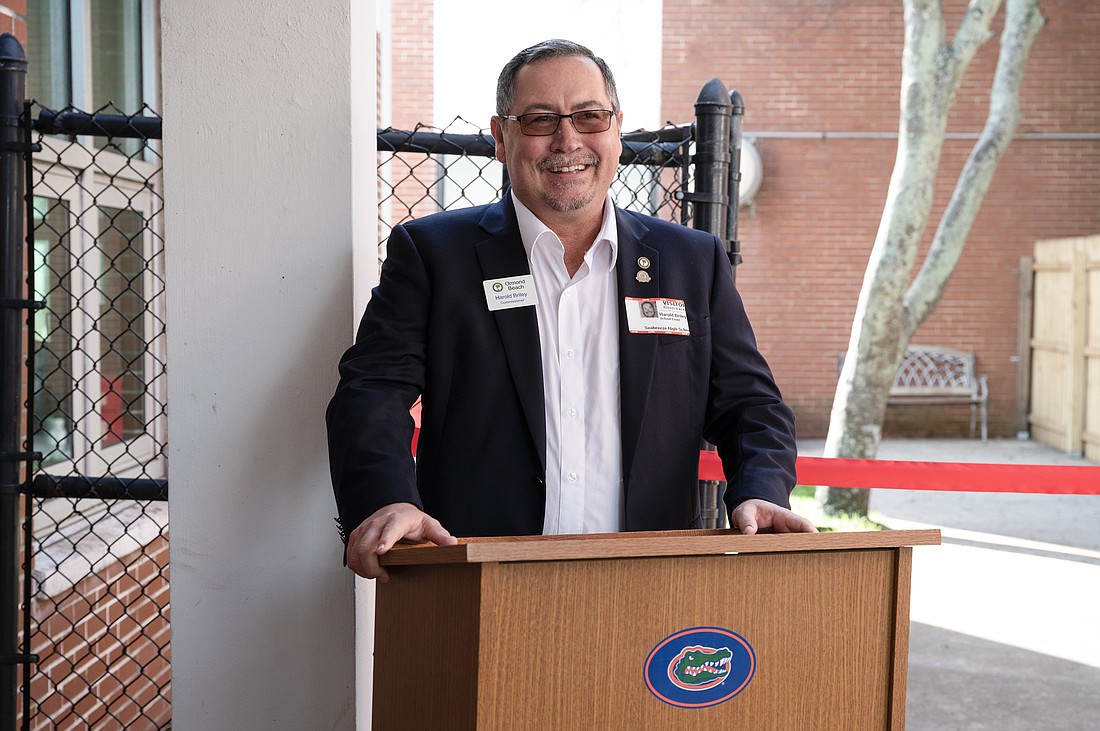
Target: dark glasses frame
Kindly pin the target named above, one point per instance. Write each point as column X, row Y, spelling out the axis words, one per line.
column 544, row 124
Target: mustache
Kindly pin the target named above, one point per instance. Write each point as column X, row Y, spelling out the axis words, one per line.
column 561, row 161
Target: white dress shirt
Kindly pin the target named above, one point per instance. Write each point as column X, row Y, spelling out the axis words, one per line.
column 579, row 333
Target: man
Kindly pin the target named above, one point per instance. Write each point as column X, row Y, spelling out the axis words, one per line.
column 548, row 404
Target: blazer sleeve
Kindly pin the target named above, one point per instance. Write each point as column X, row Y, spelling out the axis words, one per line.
column 747, row 419
column 381, row 376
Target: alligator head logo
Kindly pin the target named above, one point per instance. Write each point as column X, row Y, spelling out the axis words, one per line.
column 699, row 668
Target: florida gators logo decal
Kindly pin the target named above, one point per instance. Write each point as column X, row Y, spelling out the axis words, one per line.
column 700, row 667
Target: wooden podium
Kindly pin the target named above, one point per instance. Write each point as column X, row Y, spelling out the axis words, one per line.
column 664, row 631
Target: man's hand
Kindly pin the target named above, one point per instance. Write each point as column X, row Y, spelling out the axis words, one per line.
column 753, row 516
column 377, row 534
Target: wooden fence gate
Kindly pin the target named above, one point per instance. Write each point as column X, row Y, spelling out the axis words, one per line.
column 1065, row 345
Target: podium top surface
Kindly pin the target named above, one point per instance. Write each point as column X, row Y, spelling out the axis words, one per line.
column 647, row 545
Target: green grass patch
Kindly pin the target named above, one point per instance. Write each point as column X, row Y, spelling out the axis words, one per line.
column 803, row 503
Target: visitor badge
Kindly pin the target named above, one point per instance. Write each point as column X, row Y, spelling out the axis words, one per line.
column 509, row 292
column 659, row 315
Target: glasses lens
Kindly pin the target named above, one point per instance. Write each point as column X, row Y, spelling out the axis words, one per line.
column 538, row 124
column 592, row 120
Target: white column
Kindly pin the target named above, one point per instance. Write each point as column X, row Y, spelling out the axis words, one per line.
column 268, row 150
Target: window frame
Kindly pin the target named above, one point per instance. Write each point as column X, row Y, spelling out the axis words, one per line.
column 115, row 181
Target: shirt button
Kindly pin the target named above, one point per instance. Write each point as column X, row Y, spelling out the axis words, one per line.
column 572, row 412
column 572, row 476
column 570, row 353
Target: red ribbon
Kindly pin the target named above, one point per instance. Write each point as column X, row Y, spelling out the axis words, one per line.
column 950, row 476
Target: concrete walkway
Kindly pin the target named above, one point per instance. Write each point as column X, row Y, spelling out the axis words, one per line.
column 1006, row 613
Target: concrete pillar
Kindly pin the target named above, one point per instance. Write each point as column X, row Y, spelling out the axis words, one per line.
column 269, row 192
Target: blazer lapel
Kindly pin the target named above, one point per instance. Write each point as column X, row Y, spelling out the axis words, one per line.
column 637, row 353
column 501, row 256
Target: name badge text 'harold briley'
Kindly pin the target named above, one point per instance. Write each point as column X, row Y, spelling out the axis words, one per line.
column 660, row 316
column 509, row 292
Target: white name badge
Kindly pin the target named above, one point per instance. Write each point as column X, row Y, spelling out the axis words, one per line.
column 660, row 316
column 504, row 294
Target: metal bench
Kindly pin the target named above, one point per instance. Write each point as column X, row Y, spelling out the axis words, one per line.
column 930, row 375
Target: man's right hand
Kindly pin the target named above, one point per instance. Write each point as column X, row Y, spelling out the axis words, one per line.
column 377, row 534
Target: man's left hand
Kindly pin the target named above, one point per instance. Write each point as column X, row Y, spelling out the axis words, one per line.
column 754, row 516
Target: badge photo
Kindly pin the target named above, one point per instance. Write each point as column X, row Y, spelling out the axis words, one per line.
column 656, row 315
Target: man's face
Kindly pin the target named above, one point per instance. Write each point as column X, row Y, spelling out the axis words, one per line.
column 563, row 177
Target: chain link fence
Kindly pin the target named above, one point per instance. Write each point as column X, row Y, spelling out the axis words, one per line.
column 432, row 169
column 97, row 565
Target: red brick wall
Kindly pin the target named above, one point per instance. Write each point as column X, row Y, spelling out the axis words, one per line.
column 104, row 656
column 13, row 19
column 413, row 66
column 835, row 67
column 413, row 61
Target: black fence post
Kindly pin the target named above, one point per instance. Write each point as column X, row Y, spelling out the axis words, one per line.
column 712, row 159
column 711, row 203
column 733, row 245
column 13, row 307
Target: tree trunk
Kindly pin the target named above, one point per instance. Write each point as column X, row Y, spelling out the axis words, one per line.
column 890, row 309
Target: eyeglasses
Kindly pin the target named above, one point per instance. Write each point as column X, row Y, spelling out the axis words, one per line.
column 543, row 124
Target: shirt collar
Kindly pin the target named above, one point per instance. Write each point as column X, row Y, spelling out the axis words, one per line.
column 533, row 231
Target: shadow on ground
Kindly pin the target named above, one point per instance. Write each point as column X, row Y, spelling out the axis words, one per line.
column 961, row 683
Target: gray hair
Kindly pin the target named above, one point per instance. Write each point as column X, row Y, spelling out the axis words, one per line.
column 554, row 48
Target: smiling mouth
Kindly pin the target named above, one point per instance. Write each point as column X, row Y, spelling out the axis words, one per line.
column 563, row 167
column 568, row 169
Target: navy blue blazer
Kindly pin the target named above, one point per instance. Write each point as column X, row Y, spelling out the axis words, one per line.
column 481, row 458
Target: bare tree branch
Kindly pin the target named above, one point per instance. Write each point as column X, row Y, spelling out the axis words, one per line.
column 1022, row 26
column 973, row 33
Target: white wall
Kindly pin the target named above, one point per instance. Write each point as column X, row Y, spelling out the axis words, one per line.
column 269, row 124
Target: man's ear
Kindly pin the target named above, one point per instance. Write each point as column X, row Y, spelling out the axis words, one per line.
column 498, row 134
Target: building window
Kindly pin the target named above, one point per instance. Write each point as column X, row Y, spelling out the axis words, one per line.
column 49, row 53
column 99, row 341
column 115, row 55
column 122, row 333
column 53, row 368
column 93, row 55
